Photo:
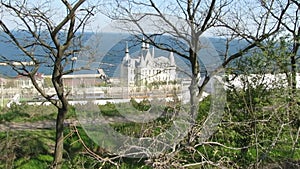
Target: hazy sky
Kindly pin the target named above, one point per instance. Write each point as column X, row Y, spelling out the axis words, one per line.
column 58, row 11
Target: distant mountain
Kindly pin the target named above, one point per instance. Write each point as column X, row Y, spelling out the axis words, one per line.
column 107, row 50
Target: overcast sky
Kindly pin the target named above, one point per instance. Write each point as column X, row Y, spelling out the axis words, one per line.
column 96, row 23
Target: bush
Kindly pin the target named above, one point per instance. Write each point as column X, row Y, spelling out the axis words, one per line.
column 109, row 109
column 15, row 113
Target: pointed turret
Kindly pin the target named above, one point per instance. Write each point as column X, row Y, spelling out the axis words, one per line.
column 143, row 44
column 172, row 67
column 127, row 56
column 147, row 46
column 142, row 61
column 149, row 57
column 172, row 60
column 153, row 51
column 126, row 50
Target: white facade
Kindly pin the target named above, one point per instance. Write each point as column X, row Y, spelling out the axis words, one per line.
column 24, row 82
column 146, row 68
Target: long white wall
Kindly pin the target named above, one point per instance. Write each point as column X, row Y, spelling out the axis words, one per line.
column 270, row 80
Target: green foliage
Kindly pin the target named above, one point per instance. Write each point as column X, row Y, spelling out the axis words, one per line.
column 130, row 129
column 28, row 113
column 204, row 107
column 253, row 130
column 261, row 120
column 31, row 164
column 15, row 113
column 26, row 149
column 258, row 127
column 143, row 105
column 71, row 112
column 109, row 109
column 272, row 57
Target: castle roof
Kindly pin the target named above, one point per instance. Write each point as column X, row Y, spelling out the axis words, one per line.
column 147, row 58
column 127, row 56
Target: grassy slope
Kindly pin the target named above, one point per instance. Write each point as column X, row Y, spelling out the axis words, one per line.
column 34, row 149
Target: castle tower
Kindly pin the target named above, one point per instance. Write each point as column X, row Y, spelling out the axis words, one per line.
column 153, row 49
column 147, row 68
column 172, row 67
column 143, row 44
column 127, row 68
column 172, row 60
column 127, row 56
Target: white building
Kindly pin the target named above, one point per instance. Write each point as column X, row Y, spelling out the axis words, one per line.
column 146, row 68
column 24, row 82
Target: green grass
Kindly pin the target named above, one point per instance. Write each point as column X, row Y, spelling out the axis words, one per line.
column 26, row 149
column 27, row 113
column 34, row 149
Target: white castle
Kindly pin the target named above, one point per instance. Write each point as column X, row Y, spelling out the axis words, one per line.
column 146, row 68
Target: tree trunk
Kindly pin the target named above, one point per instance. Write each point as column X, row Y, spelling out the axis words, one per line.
column 194, row 90
column 293, row 76
column 59, row 140
column 194, row 97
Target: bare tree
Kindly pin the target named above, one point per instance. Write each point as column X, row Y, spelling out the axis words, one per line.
column 289, row 44
column 46, row 39
column 200, row 18
column 188, row 21
column 290, row 31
